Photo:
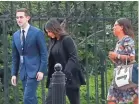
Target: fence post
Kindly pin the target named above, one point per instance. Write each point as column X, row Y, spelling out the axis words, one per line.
column 58, row 85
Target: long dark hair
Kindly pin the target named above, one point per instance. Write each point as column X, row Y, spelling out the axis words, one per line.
column 55, row 27
column 127, row 26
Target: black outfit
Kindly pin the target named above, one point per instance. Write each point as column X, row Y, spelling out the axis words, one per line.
column 64, row 51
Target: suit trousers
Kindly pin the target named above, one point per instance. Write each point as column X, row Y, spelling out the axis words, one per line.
column 73, row 95
column 30, row 86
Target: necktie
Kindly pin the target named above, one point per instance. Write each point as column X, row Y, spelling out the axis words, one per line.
column 23, row 41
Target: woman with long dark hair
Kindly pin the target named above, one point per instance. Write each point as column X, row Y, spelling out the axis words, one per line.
column 123, row 53
column 62, row 49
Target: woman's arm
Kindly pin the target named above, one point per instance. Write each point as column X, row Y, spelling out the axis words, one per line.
column 71, row 52
column 129, row 51
column 126, row 57
column 115, row 56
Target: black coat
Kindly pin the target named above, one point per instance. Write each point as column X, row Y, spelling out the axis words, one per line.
column 67, row 54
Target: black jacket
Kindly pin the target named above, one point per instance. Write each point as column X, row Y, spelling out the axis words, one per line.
column 67, row 54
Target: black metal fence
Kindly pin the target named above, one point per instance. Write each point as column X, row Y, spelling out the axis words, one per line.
column 90, row 24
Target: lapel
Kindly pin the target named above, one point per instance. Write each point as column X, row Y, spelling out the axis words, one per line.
column 51, row 44
column 29, row 34
column 17, row 39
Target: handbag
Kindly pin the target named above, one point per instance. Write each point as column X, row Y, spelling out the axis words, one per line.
column 123, row 76
column 81, row 75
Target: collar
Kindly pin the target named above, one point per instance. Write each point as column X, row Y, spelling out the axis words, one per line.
column 26, row 28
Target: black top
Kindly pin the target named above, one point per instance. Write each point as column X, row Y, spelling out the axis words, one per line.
column 64, row 51
column 54, row 51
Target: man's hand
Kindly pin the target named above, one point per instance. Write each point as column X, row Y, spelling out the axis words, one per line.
column 13, row 80
column 39, row 76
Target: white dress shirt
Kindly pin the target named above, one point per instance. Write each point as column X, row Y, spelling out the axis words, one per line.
column 26, row 31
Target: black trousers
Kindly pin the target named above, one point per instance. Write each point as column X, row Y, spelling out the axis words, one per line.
column 72, row 94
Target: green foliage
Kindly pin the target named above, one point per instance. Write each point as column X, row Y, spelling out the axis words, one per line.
column 1, row 92
column 88, row 22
